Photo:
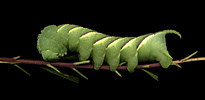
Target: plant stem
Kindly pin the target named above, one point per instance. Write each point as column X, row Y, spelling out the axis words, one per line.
column 72, row 65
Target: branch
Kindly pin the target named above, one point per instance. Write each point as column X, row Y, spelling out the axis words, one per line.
column 75, row 65
column 83, row 64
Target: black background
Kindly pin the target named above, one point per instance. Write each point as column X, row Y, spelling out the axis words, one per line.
column 22, row 24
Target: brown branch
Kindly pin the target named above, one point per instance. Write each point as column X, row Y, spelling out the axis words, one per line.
column 72, row 65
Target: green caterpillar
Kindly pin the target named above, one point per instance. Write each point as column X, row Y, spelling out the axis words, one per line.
column 55, row 42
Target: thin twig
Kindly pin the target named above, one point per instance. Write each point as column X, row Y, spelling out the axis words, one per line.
column 72, row 65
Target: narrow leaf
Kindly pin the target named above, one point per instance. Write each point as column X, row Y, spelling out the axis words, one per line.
column 80, row 73
column 151, row 74
column 16, row 57
column 118, row 73
column 122, row 63
column 61, row 74
column 3, row 62
column 177, row 65
column 189, row 56
column 54, row 68
column 22, row 69
column 82, row 62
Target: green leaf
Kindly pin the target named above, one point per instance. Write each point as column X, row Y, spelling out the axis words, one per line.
column 118, row 73
column 80, row 73
column 189, row 56
column 16, row 57
column 4, row 62
column 151, row 74
column 61, row 74
column 54, row 68
column 22, row 69
column 82, row 62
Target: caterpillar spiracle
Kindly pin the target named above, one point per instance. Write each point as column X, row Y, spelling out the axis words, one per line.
column 55, row 42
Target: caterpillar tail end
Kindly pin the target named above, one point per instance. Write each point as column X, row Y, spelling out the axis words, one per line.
column 172, row 32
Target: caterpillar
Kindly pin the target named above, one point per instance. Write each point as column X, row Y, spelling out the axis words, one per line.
column 55, row 42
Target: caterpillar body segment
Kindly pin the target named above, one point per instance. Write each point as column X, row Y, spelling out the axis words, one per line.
column 86, row 44
column 99, row 50
column 63, row 32
column 132, row 57
column 153, row 48
column 55, row 42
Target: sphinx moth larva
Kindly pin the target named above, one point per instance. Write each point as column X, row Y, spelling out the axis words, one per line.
column 54, row 42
